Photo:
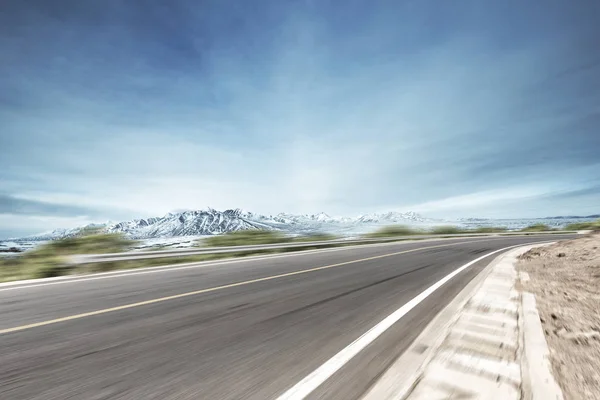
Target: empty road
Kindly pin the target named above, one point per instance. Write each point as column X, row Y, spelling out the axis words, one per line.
column 243, row 329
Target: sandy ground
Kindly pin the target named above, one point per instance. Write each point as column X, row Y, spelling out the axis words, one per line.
column 565, row 279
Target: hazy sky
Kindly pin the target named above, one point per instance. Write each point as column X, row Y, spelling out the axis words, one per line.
column 119, row 109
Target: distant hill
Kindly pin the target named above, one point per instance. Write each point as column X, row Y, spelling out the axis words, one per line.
column 211, row 222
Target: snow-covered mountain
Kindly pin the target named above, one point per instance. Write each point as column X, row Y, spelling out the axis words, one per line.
column 187, row 223
column 211, row 222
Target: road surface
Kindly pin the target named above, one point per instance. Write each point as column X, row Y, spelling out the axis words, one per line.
column 249, row 329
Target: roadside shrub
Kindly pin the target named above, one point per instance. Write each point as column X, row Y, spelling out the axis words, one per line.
column 446, row 230
column 88, row 244
column 537, row 228
column 394, row 230
column 48, row 260
column 50, row 270
column 584, row 226
column 490, row 229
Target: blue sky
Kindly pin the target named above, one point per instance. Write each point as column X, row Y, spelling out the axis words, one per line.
column 120, row 109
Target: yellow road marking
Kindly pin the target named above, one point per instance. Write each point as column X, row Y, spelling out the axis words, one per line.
column 213, row 289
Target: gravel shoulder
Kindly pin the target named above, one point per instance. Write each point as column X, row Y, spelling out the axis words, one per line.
column 565, row 279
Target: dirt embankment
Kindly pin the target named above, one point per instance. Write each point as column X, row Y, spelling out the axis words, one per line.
column 565, row 279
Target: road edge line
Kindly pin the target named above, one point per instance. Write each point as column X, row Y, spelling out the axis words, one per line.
column 410, row 365
column 313, row 380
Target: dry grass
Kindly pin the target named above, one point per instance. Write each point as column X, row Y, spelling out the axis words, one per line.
column 565, row 279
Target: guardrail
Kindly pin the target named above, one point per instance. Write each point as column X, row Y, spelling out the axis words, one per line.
column 138, row 255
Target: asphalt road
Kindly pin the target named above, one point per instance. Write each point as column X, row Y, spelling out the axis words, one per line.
column 249, row 329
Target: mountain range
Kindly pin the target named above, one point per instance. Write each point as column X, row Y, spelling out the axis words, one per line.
column 212, row 222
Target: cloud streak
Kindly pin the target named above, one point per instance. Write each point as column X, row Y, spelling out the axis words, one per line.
column 14, row 205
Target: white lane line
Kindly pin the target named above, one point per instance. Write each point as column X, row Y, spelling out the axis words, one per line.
column 201, row 264
column 331, row 366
